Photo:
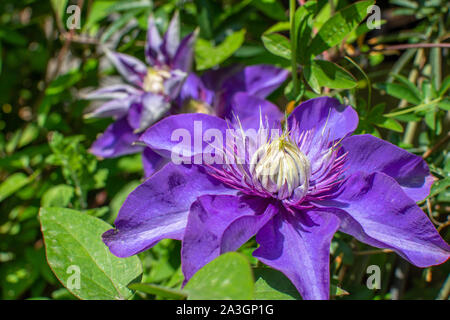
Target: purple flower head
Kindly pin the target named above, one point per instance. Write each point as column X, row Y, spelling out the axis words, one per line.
column 151, row 89
column 216, row 93
column 292, row 189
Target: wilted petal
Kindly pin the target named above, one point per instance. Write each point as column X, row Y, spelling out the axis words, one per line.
column 117, row 140
column 257, row 80
column 152, row 162
column 375, row 210
column 299, row 246
column 129, row 67
column 218, row 224
column 369, row 154
column 250, row 110
column 158, row 208
column 171, row 39
column 184, row 134
column 326, row 116
column 184, row 56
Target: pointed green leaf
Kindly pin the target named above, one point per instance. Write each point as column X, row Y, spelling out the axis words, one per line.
column 277, row 44
column 208, row 56
column 228, row 277
column 74, row 246
column 334, row 30
column 328, row 74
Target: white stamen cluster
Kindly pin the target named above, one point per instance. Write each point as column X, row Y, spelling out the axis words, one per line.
column 281, row 168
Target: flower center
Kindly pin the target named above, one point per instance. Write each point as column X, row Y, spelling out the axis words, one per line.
column 154, row 80
column 196, row 106
column 281, row 168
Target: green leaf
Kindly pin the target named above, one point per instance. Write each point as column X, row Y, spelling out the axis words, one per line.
column 303, row 23
column 391, row 124
column 328, row 74
column 444, row 87
column 272, row 8
column 12, row 184
column 157, row 290
column 398, row 91
column 74, row 239
column 229, row 277
column 334, row 30
column 277, row 44
column 58, row 196
column 208, row 56
column 271, row 284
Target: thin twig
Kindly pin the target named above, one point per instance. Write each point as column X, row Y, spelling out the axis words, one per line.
column 436, row 146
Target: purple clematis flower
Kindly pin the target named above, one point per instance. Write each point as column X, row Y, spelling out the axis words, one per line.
column 226, row 93
column 152, row 87
column 292, row 189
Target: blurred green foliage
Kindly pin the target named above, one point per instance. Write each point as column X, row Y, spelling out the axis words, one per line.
column 399, row 87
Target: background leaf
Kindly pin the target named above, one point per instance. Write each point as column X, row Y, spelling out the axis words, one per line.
column 228, row 277
column 74, row 238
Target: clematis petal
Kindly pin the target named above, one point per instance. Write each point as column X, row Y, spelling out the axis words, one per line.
column 250, row 110
column 369, row 154
column 158, row 208
column 257, row 80
column 116, row 108
column 299, row 246
column 184, row 134
column 146, row 111
column 375, row 210
column 118, row 91
column 152, row 162
column 326, row 116
column 153, row 44
column 171, row 39
column 218, row 224
column 129, row 67
column 194, row 88
column 117, row 140
column 184, row 56
column 173, row 85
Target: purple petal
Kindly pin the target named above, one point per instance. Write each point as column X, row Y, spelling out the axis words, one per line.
column 194, row 88
column 299, row 246
column 250, row 110
column 185, row 135
column 129, row 67
column 152, row 162
column 173, row 85
column 117, row 140
column 118, row 91
column 158, row 208
column 258, row 80
column 171, row 39
column 184, row 56
column 218, row 224
column 326, row 116
column 375, row 210
column 116, row 108
column 147, row 110
column 153, row 44
column 367, row 153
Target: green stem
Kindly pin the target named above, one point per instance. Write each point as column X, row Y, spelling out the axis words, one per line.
column 293, row 36
column 415, row 108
